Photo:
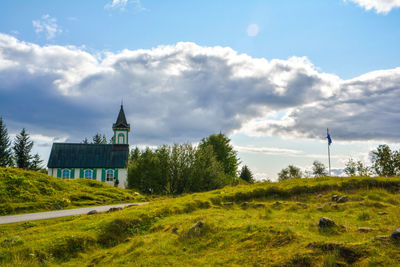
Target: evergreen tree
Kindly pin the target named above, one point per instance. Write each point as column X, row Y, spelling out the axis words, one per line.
column 246, row 174
column 5, row 151
column 104, row 139
column 223, row 151
column 97, row 139
column 22, row 149
column 36, row 163
column 85, row 141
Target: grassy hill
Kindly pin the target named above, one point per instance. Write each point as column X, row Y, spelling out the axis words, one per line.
column 26, row 191
column 270, row 224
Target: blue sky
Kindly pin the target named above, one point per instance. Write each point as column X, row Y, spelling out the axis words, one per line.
column 271, row 74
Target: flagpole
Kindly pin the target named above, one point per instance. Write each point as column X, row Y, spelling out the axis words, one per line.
column 329, row 152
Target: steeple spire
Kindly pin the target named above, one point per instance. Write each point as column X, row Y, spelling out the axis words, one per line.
column 121, row 128
column 121, row 122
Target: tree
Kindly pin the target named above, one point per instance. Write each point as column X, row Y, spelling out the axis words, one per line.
column 357, row 168
column 351, row 168
column 104, row 139
column 385, row 162
column 290, row 172
column 246, row 174
column 36, row 163
column 5, row 144
column 177, row 169
column 223, row 151
column 363, row 170
column 97, row 139
column 22, row 149
column 319, row 169
column 85, row 141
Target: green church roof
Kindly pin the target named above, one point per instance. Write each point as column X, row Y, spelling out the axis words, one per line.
column 66, row 155
column 121, row 122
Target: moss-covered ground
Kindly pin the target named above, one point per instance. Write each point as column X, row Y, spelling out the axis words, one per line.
column 270, row 224
column 26, row 192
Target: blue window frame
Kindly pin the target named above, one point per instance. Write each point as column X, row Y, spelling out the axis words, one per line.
column 66, row 174
column 88, row 174
column 110, row 175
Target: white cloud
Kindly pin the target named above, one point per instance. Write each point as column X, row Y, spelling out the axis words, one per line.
column 267, row 150
column 252, row 30
column 47, row 25
column 123, row 5
column 184, row 92
column 380, row 6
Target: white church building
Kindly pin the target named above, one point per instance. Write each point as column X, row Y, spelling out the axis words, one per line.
column 101, row 162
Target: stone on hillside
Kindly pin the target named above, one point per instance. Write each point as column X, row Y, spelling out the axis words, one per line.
column 326, row 222
column 382, row 213
column 342, row 199
column 304, row 205
column 114, row 209
column 334, row 197
column 175, row 230
column 92, row 212
column 396, row 235
column 258, row 205
column 132, row 205
column 365, row 229
column 198, row 225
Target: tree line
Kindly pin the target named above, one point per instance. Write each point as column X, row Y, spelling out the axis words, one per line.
column 17, row 154
column 385, row 162
column 184, row 168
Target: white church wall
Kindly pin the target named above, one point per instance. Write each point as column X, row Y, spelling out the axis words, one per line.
column 123, row 178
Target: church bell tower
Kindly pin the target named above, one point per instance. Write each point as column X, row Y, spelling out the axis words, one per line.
column 121, row 129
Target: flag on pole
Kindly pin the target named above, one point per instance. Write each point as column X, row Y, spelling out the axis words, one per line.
column 329, row 138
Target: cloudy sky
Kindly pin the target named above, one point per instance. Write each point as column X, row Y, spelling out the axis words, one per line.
column 272, row 75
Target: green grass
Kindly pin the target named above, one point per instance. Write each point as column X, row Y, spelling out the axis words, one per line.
column 270, row 224
column 26, row 191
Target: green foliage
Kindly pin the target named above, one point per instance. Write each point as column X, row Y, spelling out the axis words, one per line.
column 350, row 168
column 36, row 163
column 267, row 232
column 290, row 172
column 319, row 169
column 385, row 161
column 246, row 174
column 224, row 152
column 5, row 144
column 69, row 246
column 26, row 191
column 97, row 139
column 22, row 150
column 175, row 169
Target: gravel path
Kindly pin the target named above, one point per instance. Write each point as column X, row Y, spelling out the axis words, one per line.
column 60, row 213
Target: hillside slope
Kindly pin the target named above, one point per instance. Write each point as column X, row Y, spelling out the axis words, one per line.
column 27, row 191
column 271, row 224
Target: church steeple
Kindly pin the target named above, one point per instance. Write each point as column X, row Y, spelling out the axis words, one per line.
column 121, row 128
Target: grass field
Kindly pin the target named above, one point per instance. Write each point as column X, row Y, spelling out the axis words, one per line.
column 26, row 191
column 269, row 224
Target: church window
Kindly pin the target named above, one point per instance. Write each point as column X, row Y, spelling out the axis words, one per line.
column 110, row 175
column 121, row 138
column 88, row 174
column 66, row 173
